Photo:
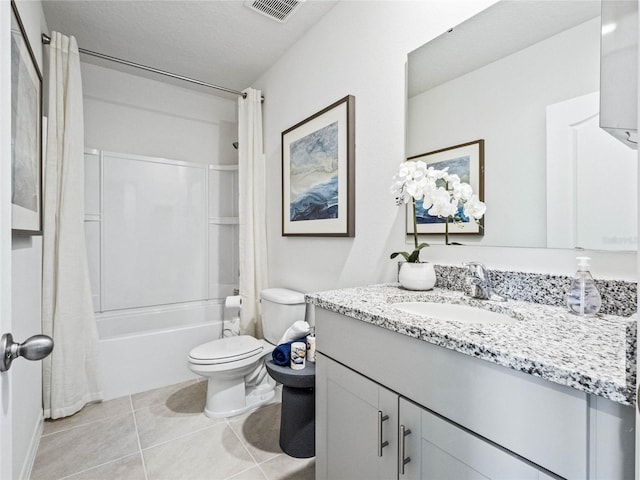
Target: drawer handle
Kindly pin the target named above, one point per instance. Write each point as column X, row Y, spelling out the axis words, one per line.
column 402, row 461
column 381, row 444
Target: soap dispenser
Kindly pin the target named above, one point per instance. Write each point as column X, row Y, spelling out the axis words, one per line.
column 583, row 297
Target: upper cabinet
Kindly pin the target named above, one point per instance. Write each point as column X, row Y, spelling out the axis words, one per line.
column 619, row 70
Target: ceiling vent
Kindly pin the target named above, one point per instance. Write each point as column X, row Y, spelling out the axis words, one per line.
column 278, row 10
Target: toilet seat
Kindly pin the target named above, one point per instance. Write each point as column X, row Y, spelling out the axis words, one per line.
column 226, row 350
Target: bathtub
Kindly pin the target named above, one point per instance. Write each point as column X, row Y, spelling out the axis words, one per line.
column 146, row 348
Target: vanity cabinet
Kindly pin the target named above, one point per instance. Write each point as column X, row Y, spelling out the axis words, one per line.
column 360, row 427
column 438, row 449
column 373, row 433
column 468, row 418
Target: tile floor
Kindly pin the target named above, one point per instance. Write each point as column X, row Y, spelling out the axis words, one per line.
column 163, row 434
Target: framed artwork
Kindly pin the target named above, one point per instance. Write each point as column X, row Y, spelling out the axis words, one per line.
column 465, row 160
column 318, row 173
column 26, row 133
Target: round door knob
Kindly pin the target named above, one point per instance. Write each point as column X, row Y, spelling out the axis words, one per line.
column 33, row 348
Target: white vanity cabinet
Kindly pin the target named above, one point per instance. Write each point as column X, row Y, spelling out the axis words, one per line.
column 373, row 433
column 438, row 449
column 361, row 424
column 468, row 418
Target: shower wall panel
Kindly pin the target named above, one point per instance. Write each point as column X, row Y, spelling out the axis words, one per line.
column 154, row 231
column 159, row 232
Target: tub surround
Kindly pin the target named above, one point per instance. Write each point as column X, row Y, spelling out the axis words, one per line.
column 593, row 355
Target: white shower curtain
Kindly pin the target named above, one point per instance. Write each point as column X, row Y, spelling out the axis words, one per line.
column 71, row 372
column 252, row 211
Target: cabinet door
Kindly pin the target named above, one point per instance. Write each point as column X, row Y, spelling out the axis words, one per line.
column 438, row 449
column 349, row 428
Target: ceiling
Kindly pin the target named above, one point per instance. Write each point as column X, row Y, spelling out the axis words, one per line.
column 502, row 29
column 222, row 42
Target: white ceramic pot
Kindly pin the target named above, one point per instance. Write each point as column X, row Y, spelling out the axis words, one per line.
column 417, row 276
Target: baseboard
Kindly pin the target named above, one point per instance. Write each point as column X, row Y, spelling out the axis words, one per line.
column 30, row 458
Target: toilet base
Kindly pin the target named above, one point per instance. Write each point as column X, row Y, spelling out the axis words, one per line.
column 230, row 397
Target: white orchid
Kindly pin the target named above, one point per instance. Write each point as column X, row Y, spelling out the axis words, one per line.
column 442, row 194
column 474, row 208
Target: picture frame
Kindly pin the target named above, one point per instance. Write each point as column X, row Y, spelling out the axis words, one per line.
column 26, row 132
column 467, row 161
column 318, row 173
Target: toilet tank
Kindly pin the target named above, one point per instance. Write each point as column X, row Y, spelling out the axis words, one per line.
column 281, row 308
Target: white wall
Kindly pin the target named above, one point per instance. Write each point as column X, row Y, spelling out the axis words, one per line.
column 26, row 277
column 360, row 48
column 131, row 114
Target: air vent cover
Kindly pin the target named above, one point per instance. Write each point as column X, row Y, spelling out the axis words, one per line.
column 278, row 10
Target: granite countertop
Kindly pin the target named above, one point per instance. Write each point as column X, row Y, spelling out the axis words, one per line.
column 595, row 355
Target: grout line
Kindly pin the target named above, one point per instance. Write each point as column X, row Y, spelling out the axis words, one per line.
column 184, row 384
column 257, row 464
column 235, row 475
column 96, row 466
column 67, row 429
column 182, row 436
column 240, row 439
column 135, row 423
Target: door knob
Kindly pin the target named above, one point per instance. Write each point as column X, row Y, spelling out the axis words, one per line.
column 33, row 348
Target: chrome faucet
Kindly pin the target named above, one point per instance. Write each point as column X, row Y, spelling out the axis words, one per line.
column 479, row 283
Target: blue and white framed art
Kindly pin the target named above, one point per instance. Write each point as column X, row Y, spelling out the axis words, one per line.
column 318, row 173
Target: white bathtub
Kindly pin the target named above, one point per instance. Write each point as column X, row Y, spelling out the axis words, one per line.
column 146, row 348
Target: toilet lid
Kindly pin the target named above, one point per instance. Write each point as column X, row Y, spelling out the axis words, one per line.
column 226, row 350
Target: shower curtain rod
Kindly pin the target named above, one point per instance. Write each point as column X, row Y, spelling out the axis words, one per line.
column 46, row 40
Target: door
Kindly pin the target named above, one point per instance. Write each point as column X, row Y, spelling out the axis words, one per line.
column 356, row 425
column 5, row 233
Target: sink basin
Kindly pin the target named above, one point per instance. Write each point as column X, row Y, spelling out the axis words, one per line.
column 454, row 312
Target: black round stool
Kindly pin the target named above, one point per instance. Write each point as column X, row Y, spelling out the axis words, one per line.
column 298, row 413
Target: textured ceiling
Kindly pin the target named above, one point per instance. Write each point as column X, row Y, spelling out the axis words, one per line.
column 217, row 41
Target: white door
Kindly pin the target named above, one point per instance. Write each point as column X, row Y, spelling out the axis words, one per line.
column 5, row 233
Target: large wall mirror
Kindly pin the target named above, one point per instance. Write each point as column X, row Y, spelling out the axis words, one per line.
column 524, row 76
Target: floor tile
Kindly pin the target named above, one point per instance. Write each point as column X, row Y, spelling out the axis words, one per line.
column 129, row 468
column 260, row 431
column 90, row 413
column 212, row 453
column 180, row 414
column 284, row 467
column 87, row 446
column 252, row 474
column 172, row 394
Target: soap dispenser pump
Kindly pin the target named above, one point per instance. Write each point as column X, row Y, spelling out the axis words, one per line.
column 583, row 297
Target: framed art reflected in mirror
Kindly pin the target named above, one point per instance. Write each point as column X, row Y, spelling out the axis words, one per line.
column 467, row 162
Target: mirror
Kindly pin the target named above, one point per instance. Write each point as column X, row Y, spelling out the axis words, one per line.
column 524, row 76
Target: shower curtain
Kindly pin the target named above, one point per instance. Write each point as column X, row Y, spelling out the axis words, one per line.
column 252, row 211
column 71, row 372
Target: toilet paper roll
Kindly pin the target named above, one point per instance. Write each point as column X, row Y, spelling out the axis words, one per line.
column 233, row 301
column 298, row 353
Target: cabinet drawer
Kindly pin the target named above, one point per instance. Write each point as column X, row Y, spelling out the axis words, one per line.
column 539, row 420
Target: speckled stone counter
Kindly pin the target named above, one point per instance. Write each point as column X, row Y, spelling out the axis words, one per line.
column 594, row 355
column 618, row 297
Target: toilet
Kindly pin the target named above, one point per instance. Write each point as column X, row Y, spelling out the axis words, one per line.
column 234, row 366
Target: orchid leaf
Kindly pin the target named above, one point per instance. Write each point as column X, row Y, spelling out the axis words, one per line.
column 404, row 254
